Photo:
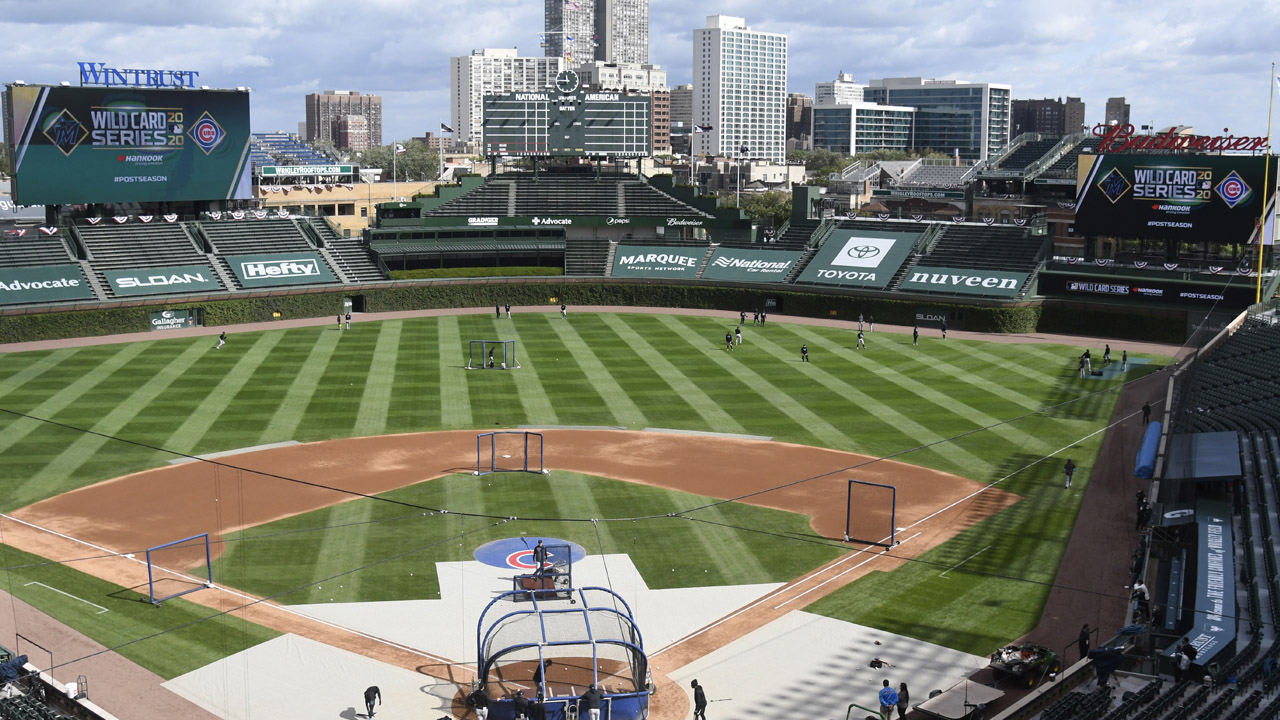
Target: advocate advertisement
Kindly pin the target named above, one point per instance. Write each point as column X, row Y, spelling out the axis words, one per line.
column 45, row 283
column 1184, row 197
column 664, row 261
column 858, row 258
column 125, row 145
column 766, row 266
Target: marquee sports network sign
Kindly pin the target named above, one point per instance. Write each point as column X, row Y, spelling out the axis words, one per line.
column 304, row 268
column 765, row 266
column 1191, row 197
column 856, row 258
column 126, row 145
column 662, row 261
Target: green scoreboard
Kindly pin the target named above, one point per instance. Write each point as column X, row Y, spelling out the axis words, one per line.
column 120, row 145
column 567, row 121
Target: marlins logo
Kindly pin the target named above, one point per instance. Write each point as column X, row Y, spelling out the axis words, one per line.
column 207, row 133
column 1114, row 185
column 1233, row 190
column 64, row 131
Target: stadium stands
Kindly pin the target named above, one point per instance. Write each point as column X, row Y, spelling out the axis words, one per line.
column 986, row 248
column 277, row 235
column 1237, row 387
column 939, row 176
column 35, row 250
column 139, row 246
column 351, row 255
column 283, row 149
column 24, row 707
column 1028, row 153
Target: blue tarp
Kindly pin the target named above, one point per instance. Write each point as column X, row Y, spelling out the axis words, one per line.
column 1145, row 466
column 12, row 668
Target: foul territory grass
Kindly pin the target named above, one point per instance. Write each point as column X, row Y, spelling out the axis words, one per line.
column 368, row 549
column 175, row 638
column 979, row 410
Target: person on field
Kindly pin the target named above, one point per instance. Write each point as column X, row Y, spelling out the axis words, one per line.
column 1088, row 362
column 804, row 353
column 1069, row 469
column 508, row 307
column 480, row 699
column 728, row 341
column 871, row 323
column 1124, row 361
column 339, row 321
column 755, row 319
column 222, row 340
column 539, row 560
column 742, row 317
column 904, row 700
column 915, row 335
column 497, row 312
column 371, row 693
column 699, row 701
column 1106, row 354
column 862, row 342
column 348, row 319
column 944, row 329
column 1083, row 641
column 540, row 672
column 737, row 335
column 521, row 705
column 591, row 700
column 1146, row 413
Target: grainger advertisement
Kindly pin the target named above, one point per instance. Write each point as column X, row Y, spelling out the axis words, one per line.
column 127, row 144
column 1185, row 197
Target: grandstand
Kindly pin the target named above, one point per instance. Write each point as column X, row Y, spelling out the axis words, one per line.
column 1026, row 154
column 280, row 148
column 36, row 250
column 140, row 247
column 1237, row 386
column 929, row 174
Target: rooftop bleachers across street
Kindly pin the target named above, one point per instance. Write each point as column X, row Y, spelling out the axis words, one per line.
column 1028, row 153
column 935, row 176
column 283, row 149
column 523, row 195
column 253, row 237
column 34, row 250
column 137, row 245
column 985, row 248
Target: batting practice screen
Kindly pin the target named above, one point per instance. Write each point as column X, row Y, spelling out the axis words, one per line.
column 123, row 145
column 581, row 124
column 1183, row 197
column 871, row 512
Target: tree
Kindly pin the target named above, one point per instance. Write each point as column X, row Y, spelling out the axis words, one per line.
column 418, row 161
column 769, row 209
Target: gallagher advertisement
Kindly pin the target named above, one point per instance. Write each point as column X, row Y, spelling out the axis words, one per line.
column 1183, row 197
column 125, row 145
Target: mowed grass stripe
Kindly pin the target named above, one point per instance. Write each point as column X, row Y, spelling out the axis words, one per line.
column 34, row 369
column 82, row 450
column 883, row 412
column 289, row 413
column 455, row 401
column 371, row 419
column 529, row 387
column 1026, row 371
column 342, row 549
column 69, row 395
column 219, row 400
column 967, row 377
column 754, row 382
column 624, row 409
column 712, row 414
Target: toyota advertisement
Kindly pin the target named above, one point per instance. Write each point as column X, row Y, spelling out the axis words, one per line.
column 857, row 258
column 1183, row 197
column 126, row 145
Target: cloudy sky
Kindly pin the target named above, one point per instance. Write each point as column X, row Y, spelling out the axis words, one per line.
column 1177, row 62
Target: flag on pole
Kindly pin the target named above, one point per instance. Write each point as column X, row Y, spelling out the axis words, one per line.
column 400, row 148
column 445, row 128
column 699, row 129
column 1278, row 81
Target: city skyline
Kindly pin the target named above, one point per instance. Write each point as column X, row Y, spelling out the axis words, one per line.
column 1175, row 62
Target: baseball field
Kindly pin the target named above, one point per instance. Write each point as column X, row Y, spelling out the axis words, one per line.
column 1002, row 414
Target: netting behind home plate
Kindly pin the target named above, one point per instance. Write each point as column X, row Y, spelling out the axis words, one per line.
column 591, row 637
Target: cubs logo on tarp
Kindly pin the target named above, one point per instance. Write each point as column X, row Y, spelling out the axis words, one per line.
column 517, row 553
column 207, row 133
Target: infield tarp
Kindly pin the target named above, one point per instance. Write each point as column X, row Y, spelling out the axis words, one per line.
column 664, row 261
column 859, row 258
column 751, row 265
column 125, row 145
column 300, row 268
column 162, row 280
column 44, row 283
column 1144, row 465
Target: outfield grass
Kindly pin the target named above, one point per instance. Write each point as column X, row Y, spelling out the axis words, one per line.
column 631, row 370
column 400, row 548
column 117, row 617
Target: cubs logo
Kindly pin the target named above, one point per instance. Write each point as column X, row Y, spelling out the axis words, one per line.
column 1233, row 190
column 207, row 133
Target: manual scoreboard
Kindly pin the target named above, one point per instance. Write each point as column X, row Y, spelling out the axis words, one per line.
column 566, row 121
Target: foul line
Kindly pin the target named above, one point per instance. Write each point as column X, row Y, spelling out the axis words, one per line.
column 833, row 578
column 248, row 598
column 74, row 597
column 953, row 567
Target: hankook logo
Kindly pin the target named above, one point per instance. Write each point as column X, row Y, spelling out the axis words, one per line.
column 865, row 252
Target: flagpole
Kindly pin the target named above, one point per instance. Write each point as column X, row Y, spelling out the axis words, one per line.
column 1266, row 178
column 395, row 188
column 440, row 153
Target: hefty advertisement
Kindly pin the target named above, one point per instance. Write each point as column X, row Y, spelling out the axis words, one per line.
column 125, row 145
column 857, row 258
column 1187, row 197
column 303, row 268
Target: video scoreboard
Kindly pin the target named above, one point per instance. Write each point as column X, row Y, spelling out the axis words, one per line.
column 566, row 121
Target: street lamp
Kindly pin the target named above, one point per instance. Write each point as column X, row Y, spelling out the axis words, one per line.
column 737, row 190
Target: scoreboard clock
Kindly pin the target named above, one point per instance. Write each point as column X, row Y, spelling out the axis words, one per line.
column 567, row 121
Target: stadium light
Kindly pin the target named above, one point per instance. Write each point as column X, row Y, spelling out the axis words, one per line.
column 204, row 87
column 64, row 83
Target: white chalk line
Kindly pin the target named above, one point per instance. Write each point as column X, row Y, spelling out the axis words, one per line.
column 249, row 598
column 74, row 597
column 953, row 567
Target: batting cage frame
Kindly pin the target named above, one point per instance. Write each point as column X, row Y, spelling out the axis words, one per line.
column 516, row 440
column 850, row 536
column 151, row 567
column 487, row 361
column 566, row 647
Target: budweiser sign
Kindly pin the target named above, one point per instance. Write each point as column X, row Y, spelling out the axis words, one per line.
column 1119, row 138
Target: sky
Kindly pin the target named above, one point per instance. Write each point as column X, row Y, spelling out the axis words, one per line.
column 1176, row 62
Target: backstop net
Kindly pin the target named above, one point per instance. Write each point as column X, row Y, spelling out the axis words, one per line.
column 557, row 648
column 492, row 355
column 165, row 580
column 871, row 513
column 509, row 451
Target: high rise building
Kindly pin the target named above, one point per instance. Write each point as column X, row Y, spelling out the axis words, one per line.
column 682, row 105
column 841, row 91
column 352, row 131
column 862, row 127
column 952, row 116
column 325, row 110
column 1075, row 116
column 1048, row 116
column 635, row 78
column 622, row 31
column 586, row 30
column 740, row 90
column 1117, row 111
column 799, row 122
column 492, row 72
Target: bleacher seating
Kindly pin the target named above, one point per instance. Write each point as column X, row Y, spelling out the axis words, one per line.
column 350, row 253
column 985, row 248
column 944, row 176
column 25, row 707
column 252, row 237
column 283, row 149
column 523, row 195
column 1028, row 153
column 136, row 245
column 34, row 250
column 1237, row 386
